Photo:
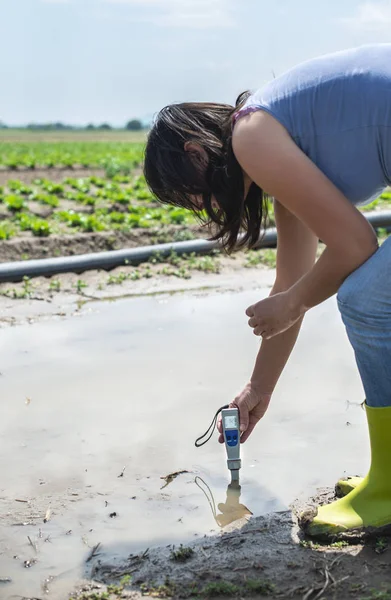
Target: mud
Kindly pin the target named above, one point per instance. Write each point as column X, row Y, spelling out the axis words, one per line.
column 26, row 246
column 265, row 557
column 97, row 409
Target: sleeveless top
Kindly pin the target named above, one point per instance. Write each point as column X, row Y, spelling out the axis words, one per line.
column 337, row 109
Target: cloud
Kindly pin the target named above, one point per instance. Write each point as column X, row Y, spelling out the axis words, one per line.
column 193, row 14
column 373, row 16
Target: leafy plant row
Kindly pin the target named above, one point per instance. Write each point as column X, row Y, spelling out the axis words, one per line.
column 114, row 157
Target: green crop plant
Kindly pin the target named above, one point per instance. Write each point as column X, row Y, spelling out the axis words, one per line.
column 117, row 279
column 80, row 285
column 14, row 185
column 14, row 203
column 121, row 178
column 133, row 220
column 143, row 194
column 81, row 185
column 139, row 182
column 117, row 217
column 178, row 216
column 7, row 230
column 89, row 201
column 135, row 275
column 55, row 285
column 52, row 187
column 71, row 218
column 112, row 187
column 91, row 223
column 79, row 197
column 49, row 199
column 118, row 197
column 98, row 182
column 38, row 227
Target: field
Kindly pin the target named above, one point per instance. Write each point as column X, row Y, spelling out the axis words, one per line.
column 66, row 193
column 91, row 193
column 71, row 193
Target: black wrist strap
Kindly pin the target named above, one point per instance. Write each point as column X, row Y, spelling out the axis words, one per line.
column 210, row 429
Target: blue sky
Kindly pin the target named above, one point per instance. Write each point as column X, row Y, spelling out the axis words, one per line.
column 82, row 61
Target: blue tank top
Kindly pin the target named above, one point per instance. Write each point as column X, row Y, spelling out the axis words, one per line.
column 337, row 109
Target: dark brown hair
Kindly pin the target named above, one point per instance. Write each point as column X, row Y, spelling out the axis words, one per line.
column 173, row 176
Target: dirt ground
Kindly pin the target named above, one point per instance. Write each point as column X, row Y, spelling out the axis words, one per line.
column 55, row 174
column 26, row 247
column 260, row 557
column 267, row 556
column 69, row 294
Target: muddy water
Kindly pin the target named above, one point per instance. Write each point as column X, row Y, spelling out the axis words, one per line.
column 131, row 385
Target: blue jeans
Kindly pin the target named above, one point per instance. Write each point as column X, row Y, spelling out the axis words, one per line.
column 364, row 300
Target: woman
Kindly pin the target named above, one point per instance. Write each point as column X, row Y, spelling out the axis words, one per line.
column 318, row 140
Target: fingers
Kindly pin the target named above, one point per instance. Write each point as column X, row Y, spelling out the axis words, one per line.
column 250, row 311
column 247, row 433
column 244, row 418
column 219, row 424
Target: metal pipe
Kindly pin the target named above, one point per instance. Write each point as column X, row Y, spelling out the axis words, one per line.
column 15, row 271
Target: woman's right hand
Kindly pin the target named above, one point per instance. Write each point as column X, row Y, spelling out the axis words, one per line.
column 252, row 405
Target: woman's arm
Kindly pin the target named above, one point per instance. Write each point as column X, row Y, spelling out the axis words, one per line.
column 296, row 253
column 270, row 157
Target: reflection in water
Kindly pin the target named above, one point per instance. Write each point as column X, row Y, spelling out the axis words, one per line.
column 231, row 510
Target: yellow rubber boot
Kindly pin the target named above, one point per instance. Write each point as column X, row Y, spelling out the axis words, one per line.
column 367, row 508
column 344, row 486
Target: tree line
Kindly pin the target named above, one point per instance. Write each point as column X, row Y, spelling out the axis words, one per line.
column 132, row 125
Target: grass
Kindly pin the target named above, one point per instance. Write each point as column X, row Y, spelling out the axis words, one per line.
column 251, row 587
column 182, row 554
column 112, row 591
column 381, row 545
column 384, row 594
column 266, row 256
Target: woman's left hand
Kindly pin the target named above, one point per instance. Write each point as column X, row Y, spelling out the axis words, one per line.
column 273, row 315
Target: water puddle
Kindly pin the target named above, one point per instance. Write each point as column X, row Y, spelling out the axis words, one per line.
column 99, row 419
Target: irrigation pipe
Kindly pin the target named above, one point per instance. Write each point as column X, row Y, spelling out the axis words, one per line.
column 15, row 271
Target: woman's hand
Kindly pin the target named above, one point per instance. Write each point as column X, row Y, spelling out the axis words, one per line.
column 252, row 405
column 274, row 315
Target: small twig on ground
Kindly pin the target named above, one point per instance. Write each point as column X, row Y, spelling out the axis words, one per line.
column 329, row 581
column 170, row 477
column 94, row 552
column 32, row 543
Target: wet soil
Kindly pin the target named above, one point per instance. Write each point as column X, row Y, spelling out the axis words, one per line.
column 69, row 294
column 97, row 409
column 266, row 557
column 27, row 247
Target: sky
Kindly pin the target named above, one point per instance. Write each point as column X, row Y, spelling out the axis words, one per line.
column 94, row 61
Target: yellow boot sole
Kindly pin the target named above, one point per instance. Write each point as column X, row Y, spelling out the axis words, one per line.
column 344, row 486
